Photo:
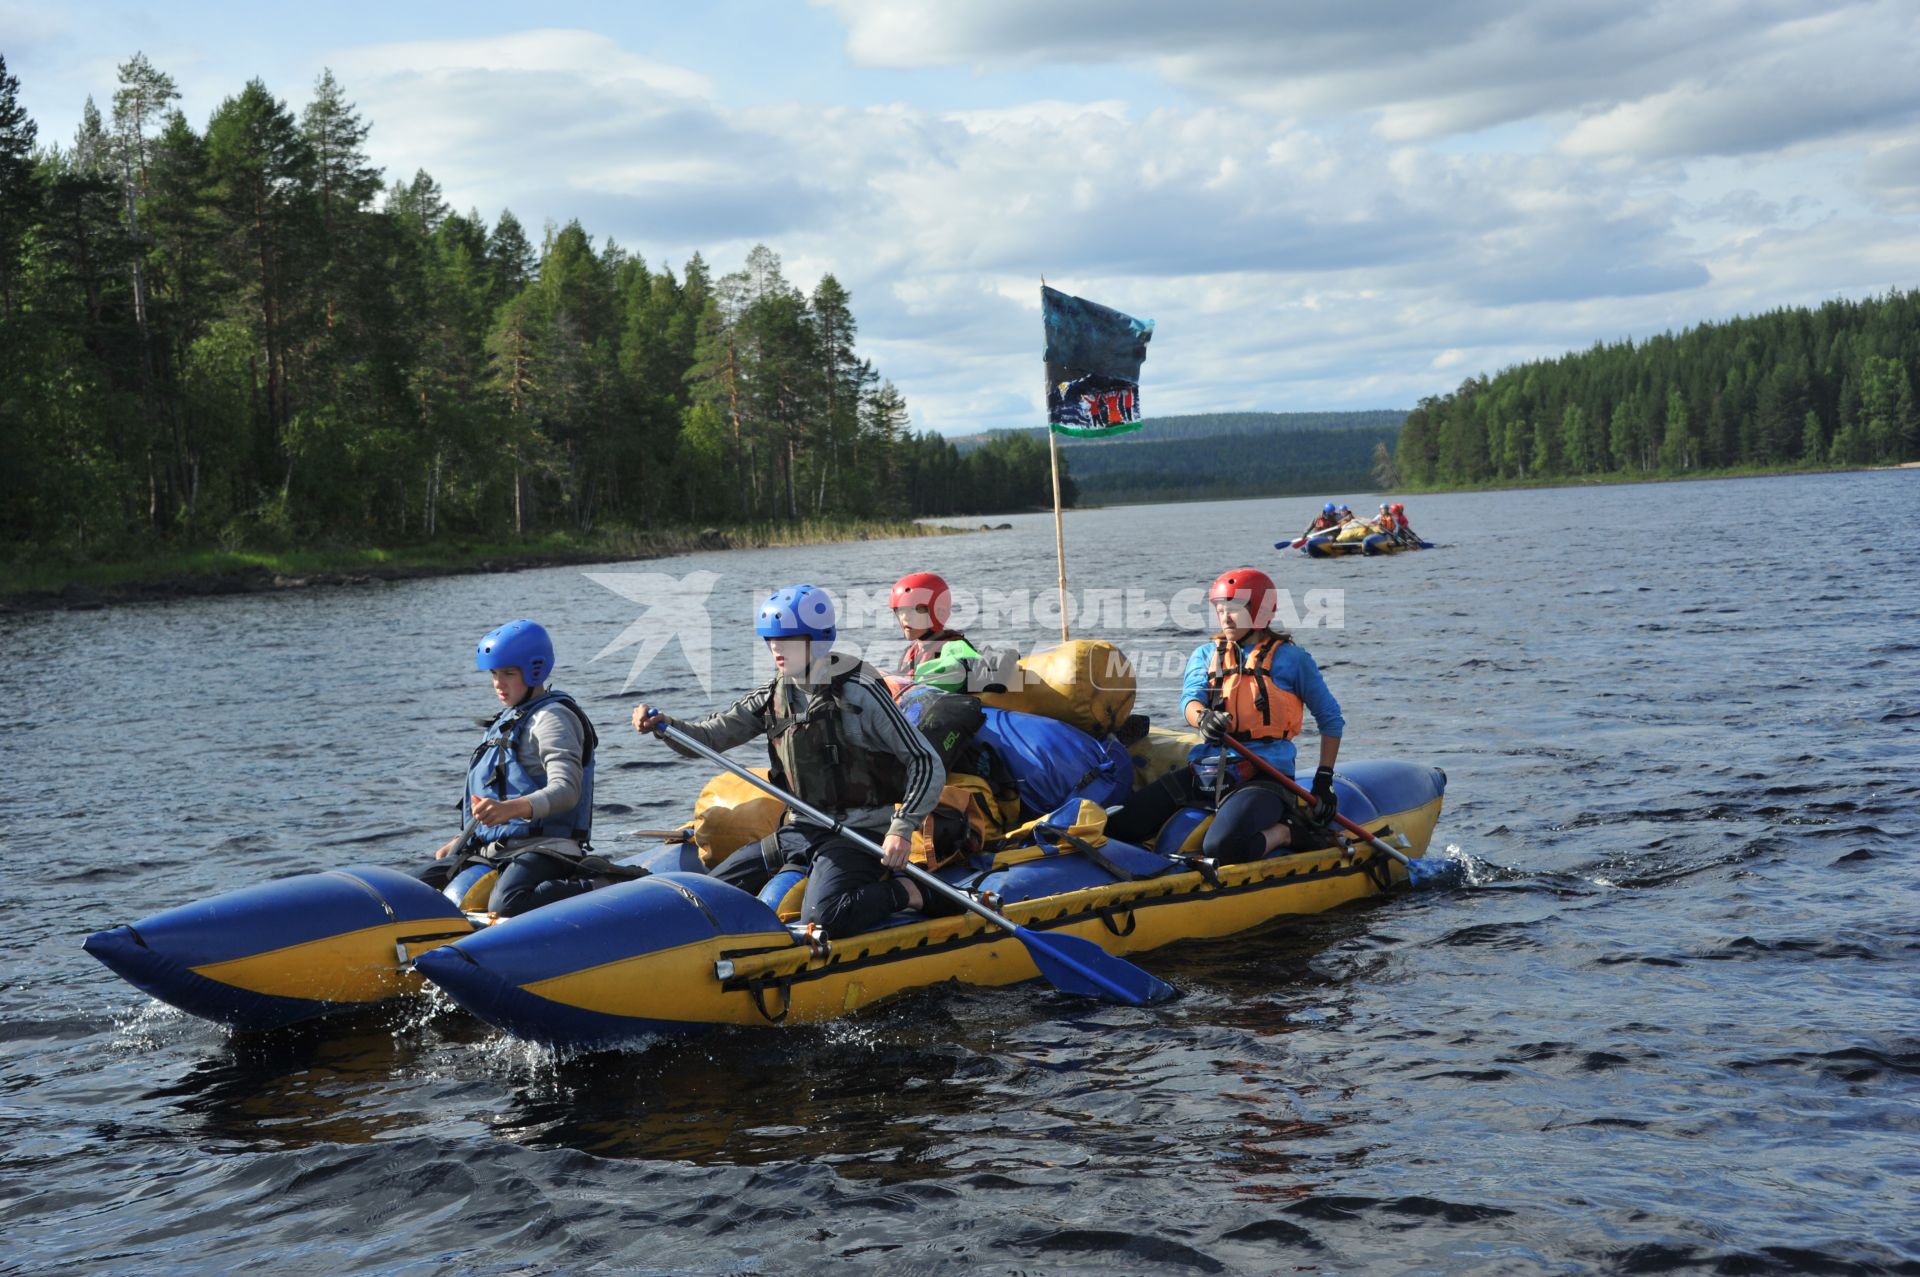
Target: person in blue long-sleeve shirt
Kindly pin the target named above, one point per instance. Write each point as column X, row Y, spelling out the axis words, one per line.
column 1254, row 683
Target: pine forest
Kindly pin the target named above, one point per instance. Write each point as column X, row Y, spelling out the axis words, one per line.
column 1832, row 386
column 241, row 335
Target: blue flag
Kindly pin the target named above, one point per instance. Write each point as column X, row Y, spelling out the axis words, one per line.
column 1093, row 358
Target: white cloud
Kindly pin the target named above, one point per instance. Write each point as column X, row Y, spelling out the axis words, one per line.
column 1890, row 174
column 1322, row 206
column 564, row 124
column 584, row 55
column 30, row 28
column 1760, row 71
column 1809, row 79
column 1291, row 261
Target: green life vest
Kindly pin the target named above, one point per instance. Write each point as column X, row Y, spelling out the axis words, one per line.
column 943, row 659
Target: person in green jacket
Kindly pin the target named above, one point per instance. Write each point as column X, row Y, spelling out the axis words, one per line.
column 935, row 655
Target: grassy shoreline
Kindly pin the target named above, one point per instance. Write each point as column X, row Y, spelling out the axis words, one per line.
column 62, row 583
column 1369, row 486
column 1619, row 478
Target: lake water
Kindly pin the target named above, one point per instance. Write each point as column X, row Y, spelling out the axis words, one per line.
column 1674, row 1025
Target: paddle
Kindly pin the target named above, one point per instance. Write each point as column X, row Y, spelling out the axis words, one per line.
column 1420, row 873
column 1408, row 537
column 1070, row 963
column 464, row 842
column 682, row 834
column 1301, row 540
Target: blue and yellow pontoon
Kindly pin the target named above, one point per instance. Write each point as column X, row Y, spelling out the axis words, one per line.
column 678, row 952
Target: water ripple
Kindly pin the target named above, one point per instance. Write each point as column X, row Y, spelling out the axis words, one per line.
column 1667, row 1027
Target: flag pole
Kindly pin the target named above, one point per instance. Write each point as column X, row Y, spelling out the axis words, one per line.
column 1094, row 351
column 1059, row 531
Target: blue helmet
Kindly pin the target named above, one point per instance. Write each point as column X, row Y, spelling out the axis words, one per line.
column 1345, row 509
column 522, row 645
column 798, row 611
column 1329, row 508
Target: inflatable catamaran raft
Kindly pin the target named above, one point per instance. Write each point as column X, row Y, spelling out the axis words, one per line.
column 678, row 952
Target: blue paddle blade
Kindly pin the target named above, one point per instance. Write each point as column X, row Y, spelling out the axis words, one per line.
column 1435, row 871
column 1083, row 967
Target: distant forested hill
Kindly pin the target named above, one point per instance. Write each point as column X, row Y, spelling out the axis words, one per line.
column 1798, row 387
column 1226, row 454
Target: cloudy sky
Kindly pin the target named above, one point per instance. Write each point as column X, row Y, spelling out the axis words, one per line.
column 1336, row 204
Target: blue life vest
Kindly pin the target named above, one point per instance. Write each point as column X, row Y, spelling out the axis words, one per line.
column 497, row 772
column 1052, row 761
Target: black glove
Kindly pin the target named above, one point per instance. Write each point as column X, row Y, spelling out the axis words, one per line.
column 1324, row 805
column 1214, row 725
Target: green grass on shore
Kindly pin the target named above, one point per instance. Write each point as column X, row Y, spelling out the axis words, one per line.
column 41, row 573
column 1619, row 477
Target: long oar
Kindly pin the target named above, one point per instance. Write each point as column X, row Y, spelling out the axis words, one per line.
column 1072, row 964
column 464, row 843
column 1331, row 536
column 1410, row 539
column 1299, row 541
column 1420, row 873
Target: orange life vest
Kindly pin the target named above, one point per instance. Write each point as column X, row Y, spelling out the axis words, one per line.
column 1260, row 709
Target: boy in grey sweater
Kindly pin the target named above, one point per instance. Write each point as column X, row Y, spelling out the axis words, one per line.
column 838, row 743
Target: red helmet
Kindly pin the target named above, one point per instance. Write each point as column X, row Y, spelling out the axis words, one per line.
column 923, row 589
column 1250, row 586
column 1398, row 508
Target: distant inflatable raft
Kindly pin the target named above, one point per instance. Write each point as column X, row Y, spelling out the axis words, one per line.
column 1372, row 544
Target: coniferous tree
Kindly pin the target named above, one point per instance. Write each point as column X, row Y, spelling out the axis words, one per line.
column 1882, row 383
column 261, row 171
column 1676, row 445
column 842, row 378
column 19, row 185
column 1546, row 453
column 417, row 204
column 1573, row 441
column 345, row 181
column 1831, row 385
column 1384, row 471
column 140, row 104
column 244, row 335
column 510, row 255
column 885, row 423
column 517, row 349
column 1813, row 439
column 1905, row 444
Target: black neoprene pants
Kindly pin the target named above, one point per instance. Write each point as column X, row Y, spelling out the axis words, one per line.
column 848, row 889
column 1238, row 831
